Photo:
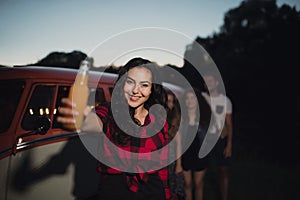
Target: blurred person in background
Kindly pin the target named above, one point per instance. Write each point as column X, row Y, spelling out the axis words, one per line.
column 196, row 117
column 221, row 107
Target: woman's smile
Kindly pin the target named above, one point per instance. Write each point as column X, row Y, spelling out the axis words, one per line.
column 135, row 97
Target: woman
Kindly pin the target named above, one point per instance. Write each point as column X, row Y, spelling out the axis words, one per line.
column 137, row 89
column 196, row 116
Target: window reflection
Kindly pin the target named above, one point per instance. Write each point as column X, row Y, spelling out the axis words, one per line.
column 40, row 104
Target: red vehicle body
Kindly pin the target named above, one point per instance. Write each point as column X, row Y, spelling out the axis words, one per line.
column 39, row 159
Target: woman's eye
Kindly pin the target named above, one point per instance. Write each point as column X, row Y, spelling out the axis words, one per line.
column 145, row 85
column 129, row 81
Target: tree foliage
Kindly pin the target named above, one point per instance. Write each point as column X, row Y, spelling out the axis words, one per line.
column 256, row 52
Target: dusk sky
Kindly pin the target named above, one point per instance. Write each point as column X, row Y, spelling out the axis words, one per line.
column 111, row 31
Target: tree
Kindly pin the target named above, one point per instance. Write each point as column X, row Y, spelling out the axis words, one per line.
column 255, row 53
column 61, row 59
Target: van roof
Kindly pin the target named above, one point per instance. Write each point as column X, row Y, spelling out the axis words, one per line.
column 45, row 72
column 63, row 74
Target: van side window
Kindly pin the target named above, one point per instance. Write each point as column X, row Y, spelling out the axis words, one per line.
column 96, row 97
column 40, row 104
column 10, row 101
column 99, row 97
column 111, row 90
column 63, row 91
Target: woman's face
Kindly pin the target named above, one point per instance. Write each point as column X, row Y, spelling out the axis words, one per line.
column 170, row 102
column 137, row 87
column 191, row 100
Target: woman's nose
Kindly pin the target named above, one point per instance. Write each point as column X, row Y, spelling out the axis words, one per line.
column 135, row 89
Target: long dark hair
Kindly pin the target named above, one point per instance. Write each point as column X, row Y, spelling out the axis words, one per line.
column 174, row 115
column 157, row 96
column 204, row 108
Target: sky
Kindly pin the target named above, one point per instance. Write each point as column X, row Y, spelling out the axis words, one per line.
column 110, row 31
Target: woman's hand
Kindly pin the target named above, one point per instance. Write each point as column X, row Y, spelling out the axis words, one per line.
column 67, row 113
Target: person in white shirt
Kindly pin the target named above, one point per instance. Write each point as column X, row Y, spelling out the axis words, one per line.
column 221, row 107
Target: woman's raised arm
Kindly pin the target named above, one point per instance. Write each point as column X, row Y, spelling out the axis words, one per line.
column 91, row 123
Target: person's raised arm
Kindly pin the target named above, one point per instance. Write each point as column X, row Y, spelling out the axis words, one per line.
column 91, row 123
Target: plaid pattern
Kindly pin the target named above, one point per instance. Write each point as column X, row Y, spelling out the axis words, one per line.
column 136, row 155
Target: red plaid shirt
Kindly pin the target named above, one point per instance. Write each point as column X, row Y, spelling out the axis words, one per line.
column 137, row 155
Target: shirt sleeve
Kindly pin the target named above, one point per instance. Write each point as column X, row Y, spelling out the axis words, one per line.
column 102, row 112
column 228, row 106
column 164, row 172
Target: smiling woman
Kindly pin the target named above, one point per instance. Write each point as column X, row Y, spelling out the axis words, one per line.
column 123, row 162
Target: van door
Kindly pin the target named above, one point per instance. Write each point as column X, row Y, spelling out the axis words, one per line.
column 11, row 92
column 51, row 166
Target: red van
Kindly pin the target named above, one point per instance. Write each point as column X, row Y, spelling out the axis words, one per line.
column 38, row 159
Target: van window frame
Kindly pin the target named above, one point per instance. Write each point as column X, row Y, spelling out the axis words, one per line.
column 14, row 97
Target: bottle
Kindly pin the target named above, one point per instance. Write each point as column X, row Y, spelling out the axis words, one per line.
column 78, row 94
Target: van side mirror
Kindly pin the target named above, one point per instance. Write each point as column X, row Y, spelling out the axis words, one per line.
column 41, row 126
